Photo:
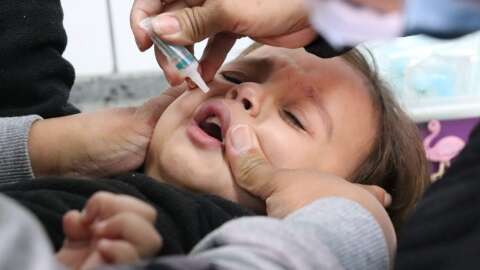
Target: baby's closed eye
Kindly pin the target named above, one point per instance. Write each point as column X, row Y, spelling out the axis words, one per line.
column 232, row 77
column 292, row 119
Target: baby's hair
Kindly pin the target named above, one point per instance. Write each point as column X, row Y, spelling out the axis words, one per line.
column 396, row 161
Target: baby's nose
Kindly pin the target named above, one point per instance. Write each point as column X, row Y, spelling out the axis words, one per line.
column 248, row 96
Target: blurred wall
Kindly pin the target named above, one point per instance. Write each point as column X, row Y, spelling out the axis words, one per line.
column 100, row 41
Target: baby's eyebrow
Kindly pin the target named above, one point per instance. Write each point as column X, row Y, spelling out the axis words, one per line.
column 255, row 66
column 312, row 94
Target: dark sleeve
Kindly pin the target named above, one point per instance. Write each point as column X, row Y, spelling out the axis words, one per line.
column 183, row 219
column 444, row 231
column 50, row 198
column 34, row 77
column 321, row 48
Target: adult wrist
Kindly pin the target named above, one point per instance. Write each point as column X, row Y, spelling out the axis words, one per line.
column 48, row 142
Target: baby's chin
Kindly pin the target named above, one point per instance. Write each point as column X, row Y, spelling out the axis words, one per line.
column 212, row 178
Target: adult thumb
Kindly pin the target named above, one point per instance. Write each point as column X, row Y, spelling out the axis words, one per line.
column 188, row 25
column 251, row 170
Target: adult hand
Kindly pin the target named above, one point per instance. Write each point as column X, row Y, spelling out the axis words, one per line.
column 96, row 144
column 185, row 22
column 285, row 191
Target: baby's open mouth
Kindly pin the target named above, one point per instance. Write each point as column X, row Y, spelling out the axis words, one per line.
column 212, row 126
column 213, row 119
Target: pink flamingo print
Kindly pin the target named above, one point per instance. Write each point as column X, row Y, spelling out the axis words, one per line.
column 444, row 150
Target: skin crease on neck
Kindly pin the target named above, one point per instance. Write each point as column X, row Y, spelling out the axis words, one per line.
column 307, row 113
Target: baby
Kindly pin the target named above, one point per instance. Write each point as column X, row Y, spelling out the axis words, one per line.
column 330, row 115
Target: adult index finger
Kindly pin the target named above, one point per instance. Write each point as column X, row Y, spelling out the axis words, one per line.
column 142, row 9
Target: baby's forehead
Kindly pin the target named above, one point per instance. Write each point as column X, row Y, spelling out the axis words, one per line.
column 296, row 61
column 276, row 57
column 271, row 60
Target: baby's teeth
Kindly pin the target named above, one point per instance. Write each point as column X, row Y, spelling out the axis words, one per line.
column 213, row 120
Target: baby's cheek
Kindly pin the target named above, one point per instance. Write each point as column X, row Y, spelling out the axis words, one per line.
column 286, row 151
column 291, row 160
column 154, row 142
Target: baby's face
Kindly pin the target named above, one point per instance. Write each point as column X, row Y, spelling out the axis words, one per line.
column 307, row 112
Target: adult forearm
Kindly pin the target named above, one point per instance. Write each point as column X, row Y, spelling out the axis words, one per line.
column 96, row 144
column 49, row 143
column 331, row 233
column 32, row 147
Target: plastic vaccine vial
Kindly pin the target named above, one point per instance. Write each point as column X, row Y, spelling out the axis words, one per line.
column 179, row 56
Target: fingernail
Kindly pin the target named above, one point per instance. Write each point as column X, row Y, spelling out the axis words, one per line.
column 241, row 138
column 166, row 25
column 84, row 217
column 191, row 84
column 138, row 45
column 387, row 200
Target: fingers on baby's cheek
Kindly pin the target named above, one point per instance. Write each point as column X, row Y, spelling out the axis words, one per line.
column 380, row 194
